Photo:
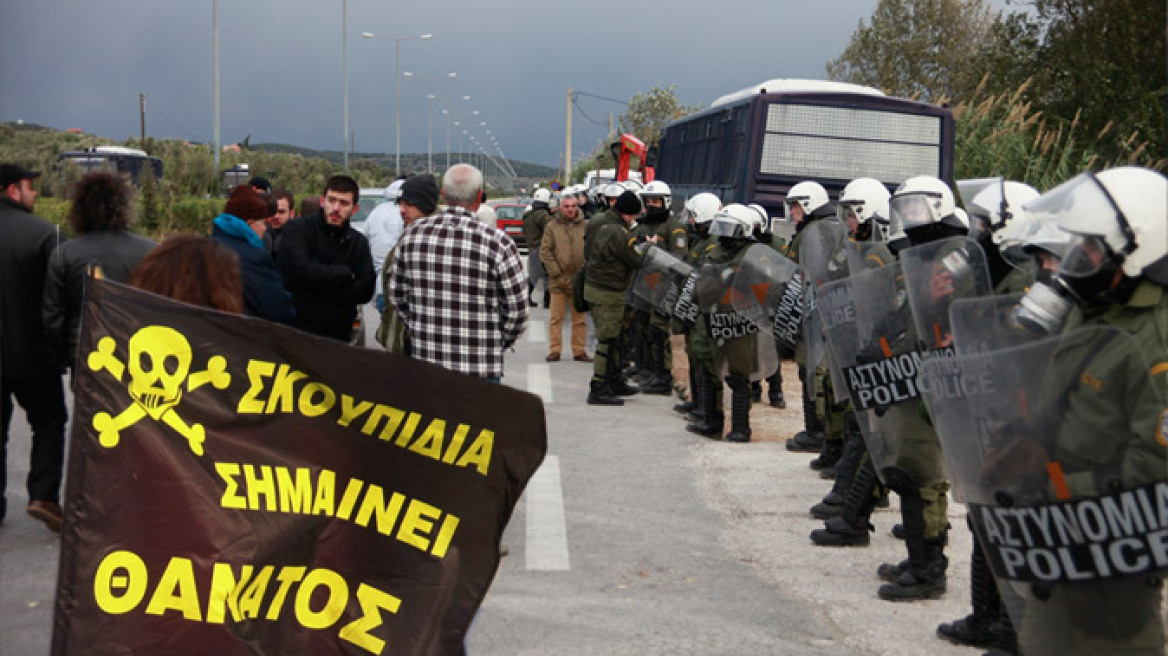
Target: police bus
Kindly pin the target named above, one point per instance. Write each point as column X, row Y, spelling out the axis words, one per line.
column 130, row 161
column 753, row 145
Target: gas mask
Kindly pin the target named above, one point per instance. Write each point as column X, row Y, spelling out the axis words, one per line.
column 1045, row 307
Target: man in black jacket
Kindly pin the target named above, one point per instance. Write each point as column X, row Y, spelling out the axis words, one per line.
column 326, row 264
column 241, row 228
column 27, row 371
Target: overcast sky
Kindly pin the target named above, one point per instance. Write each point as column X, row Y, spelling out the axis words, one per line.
column 82, row 63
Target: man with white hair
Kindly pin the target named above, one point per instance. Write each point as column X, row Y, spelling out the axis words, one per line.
column 459, row 284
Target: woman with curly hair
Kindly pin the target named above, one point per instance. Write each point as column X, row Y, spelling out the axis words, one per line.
column 195, row 270
column 100, row 215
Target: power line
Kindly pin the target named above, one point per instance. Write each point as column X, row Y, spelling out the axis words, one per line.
column 166, row 118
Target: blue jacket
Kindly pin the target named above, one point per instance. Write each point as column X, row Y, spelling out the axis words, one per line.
column 263, row 290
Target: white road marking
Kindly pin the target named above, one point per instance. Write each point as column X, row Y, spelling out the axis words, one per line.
column 536, row 331
column 539, row 381
column 547, row 532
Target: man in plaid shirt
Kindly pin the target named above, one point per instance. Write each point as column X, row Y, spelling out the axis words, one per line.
column 459, row 284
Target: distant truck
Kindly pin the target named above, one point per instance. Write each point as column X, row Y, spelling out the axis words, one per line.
column 753, row 145
column 131, row 161
column 601, row 177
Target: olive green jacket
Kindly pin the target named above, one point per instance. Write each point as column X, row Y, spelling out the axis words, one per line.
column 613, row 259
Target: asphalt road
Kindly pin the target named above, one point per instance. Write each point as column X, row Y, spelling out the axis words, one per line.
column 635, row 537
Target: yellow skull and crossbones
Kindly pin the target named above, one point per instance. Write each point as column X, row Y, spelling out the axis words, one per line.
column 159, row 362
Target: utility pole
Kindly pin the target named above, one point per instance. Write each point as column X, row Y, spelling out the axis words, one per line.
column 142, row 117
column 568, row 142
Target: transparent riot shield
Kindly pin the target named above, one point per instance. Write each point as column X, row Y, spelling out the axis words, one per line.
column 659, row 280
column 876, row 361
column 685, row 309
column 759, row 284
column 739, row 346
column 989, row 322
column 788, row 312
column 867, row 255
column 1058, row 446
column 936, row 274
column 824, row 259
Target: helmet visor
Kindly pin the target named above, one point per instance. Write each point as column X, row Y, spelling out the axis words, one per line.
column 848, row 209
column 727, row 226
column 913, row 210
column 1086, row 255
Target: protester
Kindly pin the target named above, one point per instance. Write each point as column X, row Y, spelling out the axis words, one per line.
column 457, row 283
column 241, row 227
column 26, row 369
column 326, row 264
column 285, row 208
column 562, row 254
column 383, row 228
column 100, row 216
column 195, row 270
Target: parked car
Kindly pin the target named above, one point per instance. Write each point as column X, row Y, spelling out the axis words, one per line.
column 370, row 197
column 510, row 221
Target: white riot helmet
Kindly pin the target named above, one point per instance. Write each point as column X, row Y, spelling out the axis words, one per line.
column 735, row 221
column 657, row 189
column 809, row 195
column 632, row 185
column 764, row 219
column 1119, row 215
column 613, row 190
column 542, row 196
column 701, row 208
column 393, row 191
column 867, row 198
column 995, row 203
column 923, row 201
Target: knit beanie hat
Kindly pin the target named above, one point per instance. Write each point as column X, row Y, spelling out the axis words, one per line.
column 421, row 191
column 246, row 204
column 628, row 203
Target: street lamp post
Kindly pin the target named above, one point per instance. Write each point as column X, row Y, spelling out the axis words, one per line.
column 430, row 97
column 397, row 86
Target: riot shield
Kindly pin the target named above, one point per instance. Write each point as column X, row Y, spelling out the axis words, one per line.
column 739, row 347
column 989, row 322
column 936, row 274
column 685, row 309
column 788, row 312
column 1058, row 447
column 824, row 259
column 867, row 255
column 876, row 361
column 659, row 280
column 759, row 284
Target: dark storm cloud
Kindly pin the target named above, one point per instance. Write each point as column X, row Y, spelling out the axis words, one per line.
column 82, row 64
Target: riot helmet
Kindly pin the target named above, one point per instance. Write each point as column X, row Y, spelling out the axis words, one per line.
column 700, row 210
column 864, row 201
column 924, row 208
column 735, row 222
column 660, row 191
column 811, row 200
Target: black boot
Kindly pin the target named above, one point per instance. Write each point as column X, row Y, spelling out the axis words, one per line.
column 710, row 424
column 925, row 576
column 1006, row 642
column 599, row 393
column 851, row 527
column 660, row 381
column 775, row 389
column 616, row 382
column 547, row 299
column 849, row 462
column 739, row 409
column 810, row 439
column 832, row 450
column 701, row 387
column 979, row 628
column 530, row 288
column 756, row 391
